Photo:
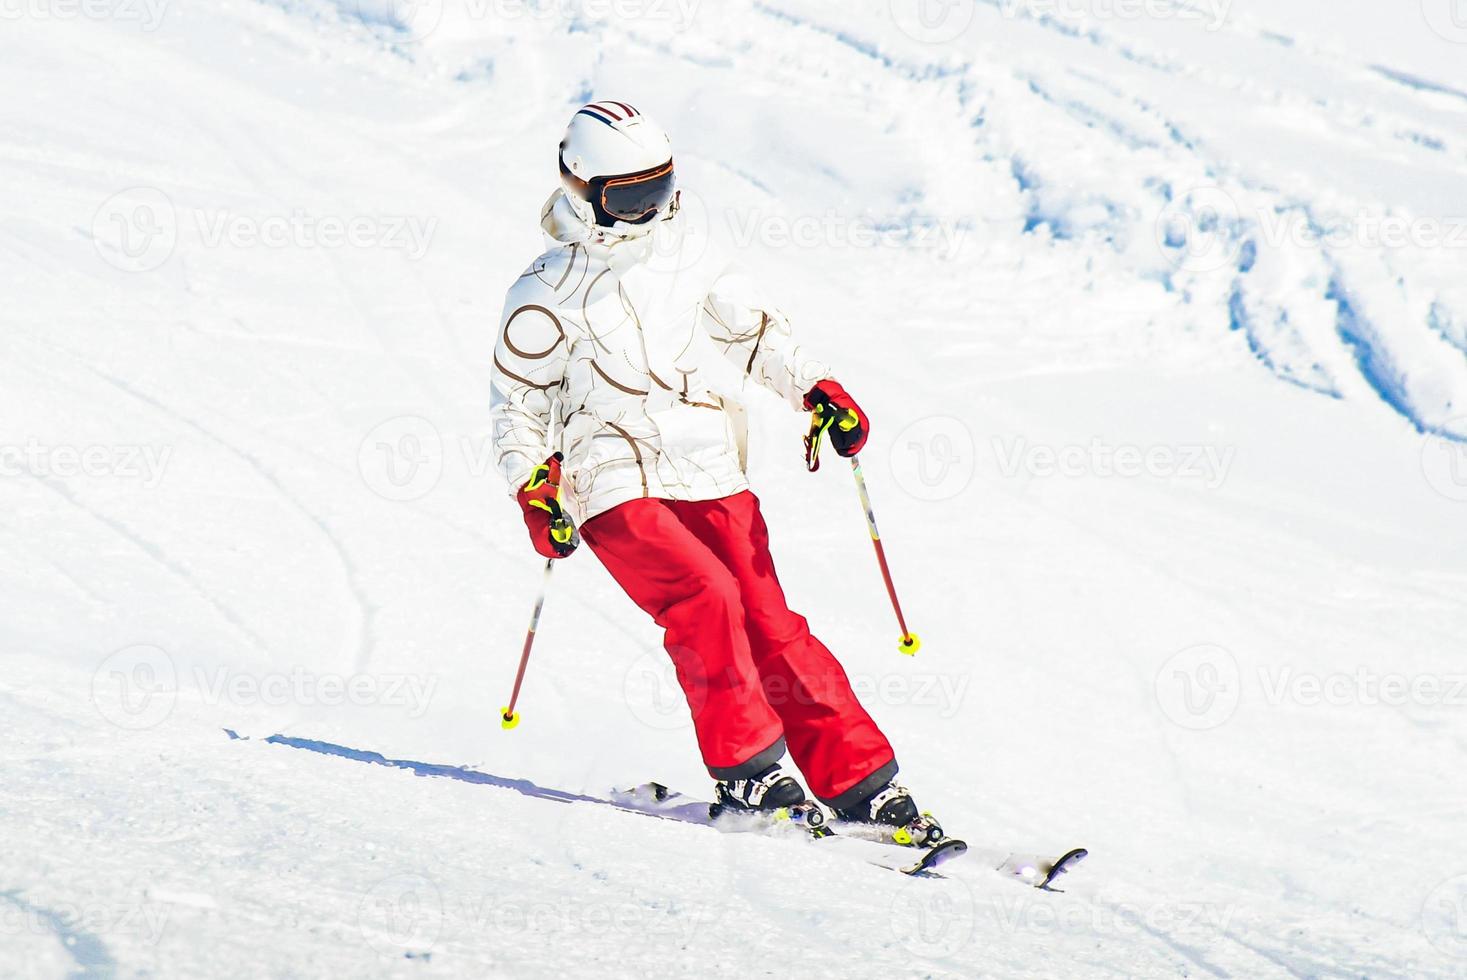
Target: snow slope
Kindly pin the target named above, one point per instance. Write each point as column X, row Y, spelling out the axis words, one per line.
column 1161, row 322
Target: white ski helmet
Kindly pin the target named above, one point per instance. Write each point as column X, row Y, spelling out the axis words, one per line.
column 616, row 167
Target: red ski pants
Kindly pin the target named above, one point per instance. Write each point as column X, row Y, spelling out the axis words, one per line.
column 754, row 676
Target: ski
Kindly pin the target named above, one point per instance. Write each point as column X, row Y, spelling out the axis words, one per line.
column 932, row 855
column 807, row 818
column 656, row 799
column 1062, row 866
column 1039, row 872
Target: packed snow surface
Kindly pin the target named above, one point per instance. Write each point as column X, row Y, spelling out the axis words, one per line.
column 1160, row 312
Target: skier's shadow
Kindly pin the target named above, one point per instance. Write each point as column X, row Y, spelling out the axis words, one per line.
column 691, row 812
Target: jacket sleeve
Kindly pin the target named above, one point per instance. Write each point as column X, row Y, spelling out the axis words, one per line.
column 757, row 338
column 530, row 358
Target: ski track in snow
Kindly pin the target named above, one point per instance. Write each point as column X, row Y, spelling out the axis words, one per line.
column 1289, row 839
column 1369, row 348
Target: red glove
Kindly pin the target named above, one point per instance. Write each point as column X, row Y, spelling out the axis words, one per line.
column 836, row 413
column 551, row 532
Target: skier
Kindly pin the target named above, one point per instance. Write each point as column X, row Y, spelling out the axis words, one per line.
column 600, row 341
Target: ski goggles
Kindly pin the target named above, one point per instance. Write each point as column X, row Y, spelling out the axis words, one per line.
column 633, row 198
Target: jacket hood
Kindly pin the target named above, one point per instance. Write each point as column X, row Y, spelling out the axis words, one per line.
column 559, row 221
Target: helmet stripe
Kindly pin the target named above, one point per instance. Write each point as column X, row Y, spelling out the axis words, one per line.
column 629, row 110
column 599, row 116
column 603, row 107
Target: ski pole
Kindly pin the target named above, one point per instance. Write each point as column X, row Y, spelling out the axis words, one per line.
column 507, row 717
column 909, row 644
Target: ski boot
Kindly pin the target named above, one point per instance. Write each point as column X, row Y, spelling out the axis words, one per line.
column 770, row 794
column 891, row 815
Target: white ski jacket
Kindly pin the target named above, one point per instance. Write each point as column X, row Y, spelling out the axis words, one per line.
column 600, row 343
